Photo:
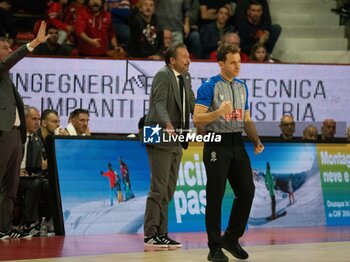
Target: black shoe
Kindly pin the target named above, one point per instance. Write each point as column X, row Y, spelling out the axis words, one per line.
column 217, row 255
column 169, row 241
column 4, row 236
column 234, row 248
column 16, row 234
column 154, row 241
column 33, row 230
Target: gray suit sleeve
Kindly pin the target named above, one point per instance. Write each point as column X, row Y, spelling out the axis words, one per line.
column 13, row 58
column 161, row 85
column 192, row 99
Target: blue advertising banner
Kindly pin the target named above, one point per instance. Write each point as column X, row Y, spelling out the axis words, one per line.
column 104, row 185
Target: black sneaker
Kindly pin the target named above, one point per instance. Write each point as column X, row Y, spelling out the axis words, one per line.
column 4, row 236
column 17, row 234
column 32, row 230
column 234, row 248
column 169, row 241
column 154, row 241
column 217, row 255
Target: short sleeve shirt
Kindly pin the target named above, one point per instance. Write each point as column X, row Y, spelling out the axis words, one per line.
column 216, row 90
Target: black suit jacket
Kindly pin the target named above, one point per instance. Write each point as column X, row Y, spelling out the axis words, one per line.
column 37, row 154
column 9, row 96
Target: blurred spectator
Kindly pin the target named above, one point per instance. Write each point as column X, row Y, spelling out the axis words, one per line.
column 328, row 130
column 70, row 15
column 94, row 31
column 310, row 133
column 146, row 38
column 208, row 9
column 55, row 18
column 211, row 33
column 73, row 10
column 167, row 40
column 287, row 126
column 51, row 47
column 193, row 40
column 7, row 26
column 254, row 29
column 259, row 54
column 79, row 123
column 240, row 12
column 174, row 15
column 120, row 10
column 233, row 39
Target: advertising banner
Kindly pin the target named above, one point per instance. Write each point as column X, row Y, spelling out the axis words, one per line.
column 116, row 92
column 103, row 187
column 334, row 162
column 107, row 191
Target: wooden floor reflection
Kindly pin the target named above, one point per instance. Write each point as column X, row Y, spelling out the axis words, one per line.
column 277, row 244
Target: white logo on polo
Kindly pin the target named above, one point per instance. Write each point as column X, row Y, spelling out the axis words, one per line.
column 221, row 97
column 213, row 156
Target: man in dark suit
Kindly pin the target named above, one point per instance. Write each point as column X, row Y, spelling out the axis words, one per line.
column 31, row 182
column 171, row 102
column 13, row 131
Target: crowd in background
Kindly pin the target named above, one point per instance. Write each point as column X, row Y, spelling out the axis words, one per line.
column 145, row 28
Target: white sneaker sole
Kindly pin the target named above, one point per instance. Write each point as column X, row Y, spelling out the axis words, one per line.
column 175, row 246
column 155, row 246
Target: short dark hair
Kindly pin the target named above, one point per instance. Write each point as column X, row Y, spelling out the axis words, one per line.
column 223, row 6
column 254, row 2
column 225, row 49
column 171, row 51
column 78, row 111
column 50, row 26
column 4, row 39
column 46, row 113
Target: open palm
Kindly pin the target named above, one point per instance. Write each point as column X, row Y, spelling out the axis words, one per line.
column 42, row 36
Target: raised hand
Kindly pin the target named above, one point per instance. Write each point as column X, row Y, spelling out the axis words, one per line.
column 41, row 37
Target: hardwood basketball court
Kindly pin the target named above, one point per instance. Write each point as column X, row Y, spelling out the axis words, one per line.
column 309, row 244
